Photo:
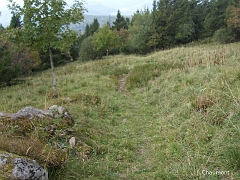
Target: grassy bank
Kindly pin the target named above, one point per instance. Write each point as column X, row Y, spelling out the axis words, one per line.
column 175, row 117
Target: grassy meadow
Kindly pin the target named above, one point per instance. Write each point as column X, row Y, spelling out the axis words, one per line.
column 173, row 114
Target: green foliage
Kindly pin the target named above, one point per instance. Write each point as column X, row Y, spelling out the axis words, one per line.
column 140, row 31
column 123, row 36
column 82, row 47
column 224, row 35
column 87, row 50
column 174, row 22
column 8, row 70
column 15, row 22
column 46, row 26
column 46, row 23
column 233, row 19
column 94, row 27
column 120, row 22
column 91, row 29
column 153, row 40
column 1, row 28
column 15, row 60
column 105, row 39
column 74, row 51
column 199, row 12
column 59, row 57
column 216, row 16
column 87, row 31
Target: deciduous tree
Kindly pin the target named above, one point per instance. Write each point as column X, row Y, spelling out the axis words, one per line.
column 233, row 16
column 105, row 39
column 46, row 25
column 140, row 31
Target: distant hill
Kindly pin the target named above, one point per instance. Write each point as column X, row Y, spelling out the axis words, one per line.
column 88, row 19
column 99, row 9
column 94, row 8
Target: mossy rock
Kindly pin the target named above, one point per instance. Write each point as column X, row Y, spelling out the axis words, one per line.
column 17, row 167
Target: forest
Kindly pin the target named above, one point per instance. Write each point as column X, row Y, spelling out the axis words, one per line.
column 168, row 24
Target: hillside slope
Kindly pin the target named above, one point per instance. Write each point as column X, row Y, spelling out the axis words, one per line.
column 173, row 114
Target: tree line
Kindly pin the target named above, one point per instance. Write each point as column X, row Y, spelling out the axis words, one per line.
column 167, row 24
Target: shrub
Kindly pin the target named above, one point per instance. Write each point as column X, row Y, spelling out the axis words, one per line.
column 87, row 51
column 224, row 35
column 15, row 60
column 8, row 70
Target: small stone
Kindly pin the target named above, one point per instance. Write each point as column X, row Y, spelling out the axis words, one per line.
column 72, row 142
column 119, row 157
column 69, row 99
column 61, row 110
column 124, row 120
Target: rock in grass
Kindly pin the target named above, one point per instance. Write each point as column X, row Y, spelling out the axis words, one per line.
column 60, row 111
column 20, row 168
column 30, row 113
column 72, row 142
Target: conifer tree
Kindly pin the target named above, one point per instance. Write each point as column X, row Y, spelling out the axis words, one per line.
column 87, row 31
column 216, row 16
column 94, row 27
column 120, row 22
column 15, row 22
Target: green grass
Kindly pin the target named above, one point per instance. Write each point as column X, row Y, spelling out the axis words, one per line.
column 178, row 118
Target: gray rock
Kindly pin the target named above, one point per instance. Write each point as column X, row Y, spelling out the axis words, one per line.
column 31, row 112
column 20, row 168
column 60, row 111
column 124, row 120
column 28, row 169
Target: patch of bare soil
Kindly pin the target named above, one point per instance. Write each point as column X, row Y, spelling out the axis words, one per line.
column 122, row 86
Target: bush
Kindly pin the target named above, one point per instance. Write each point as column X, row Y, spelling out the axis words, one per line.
column 8, row 70
column 16, row 60
column 87, row 51
column 126, row 49
column 224, row 35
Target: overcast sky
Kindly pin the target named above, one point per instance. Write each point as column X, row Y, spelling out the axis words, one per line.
column 127, row 7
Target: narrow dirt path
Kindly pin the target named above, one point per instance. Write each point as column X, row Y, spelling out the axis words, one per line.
column 143, row 150
column 123, row 82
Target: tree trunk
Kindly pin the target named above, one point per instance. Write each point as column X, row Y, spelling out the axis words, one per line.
column 155, row 48
column 53, row 73
column 107, row 53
